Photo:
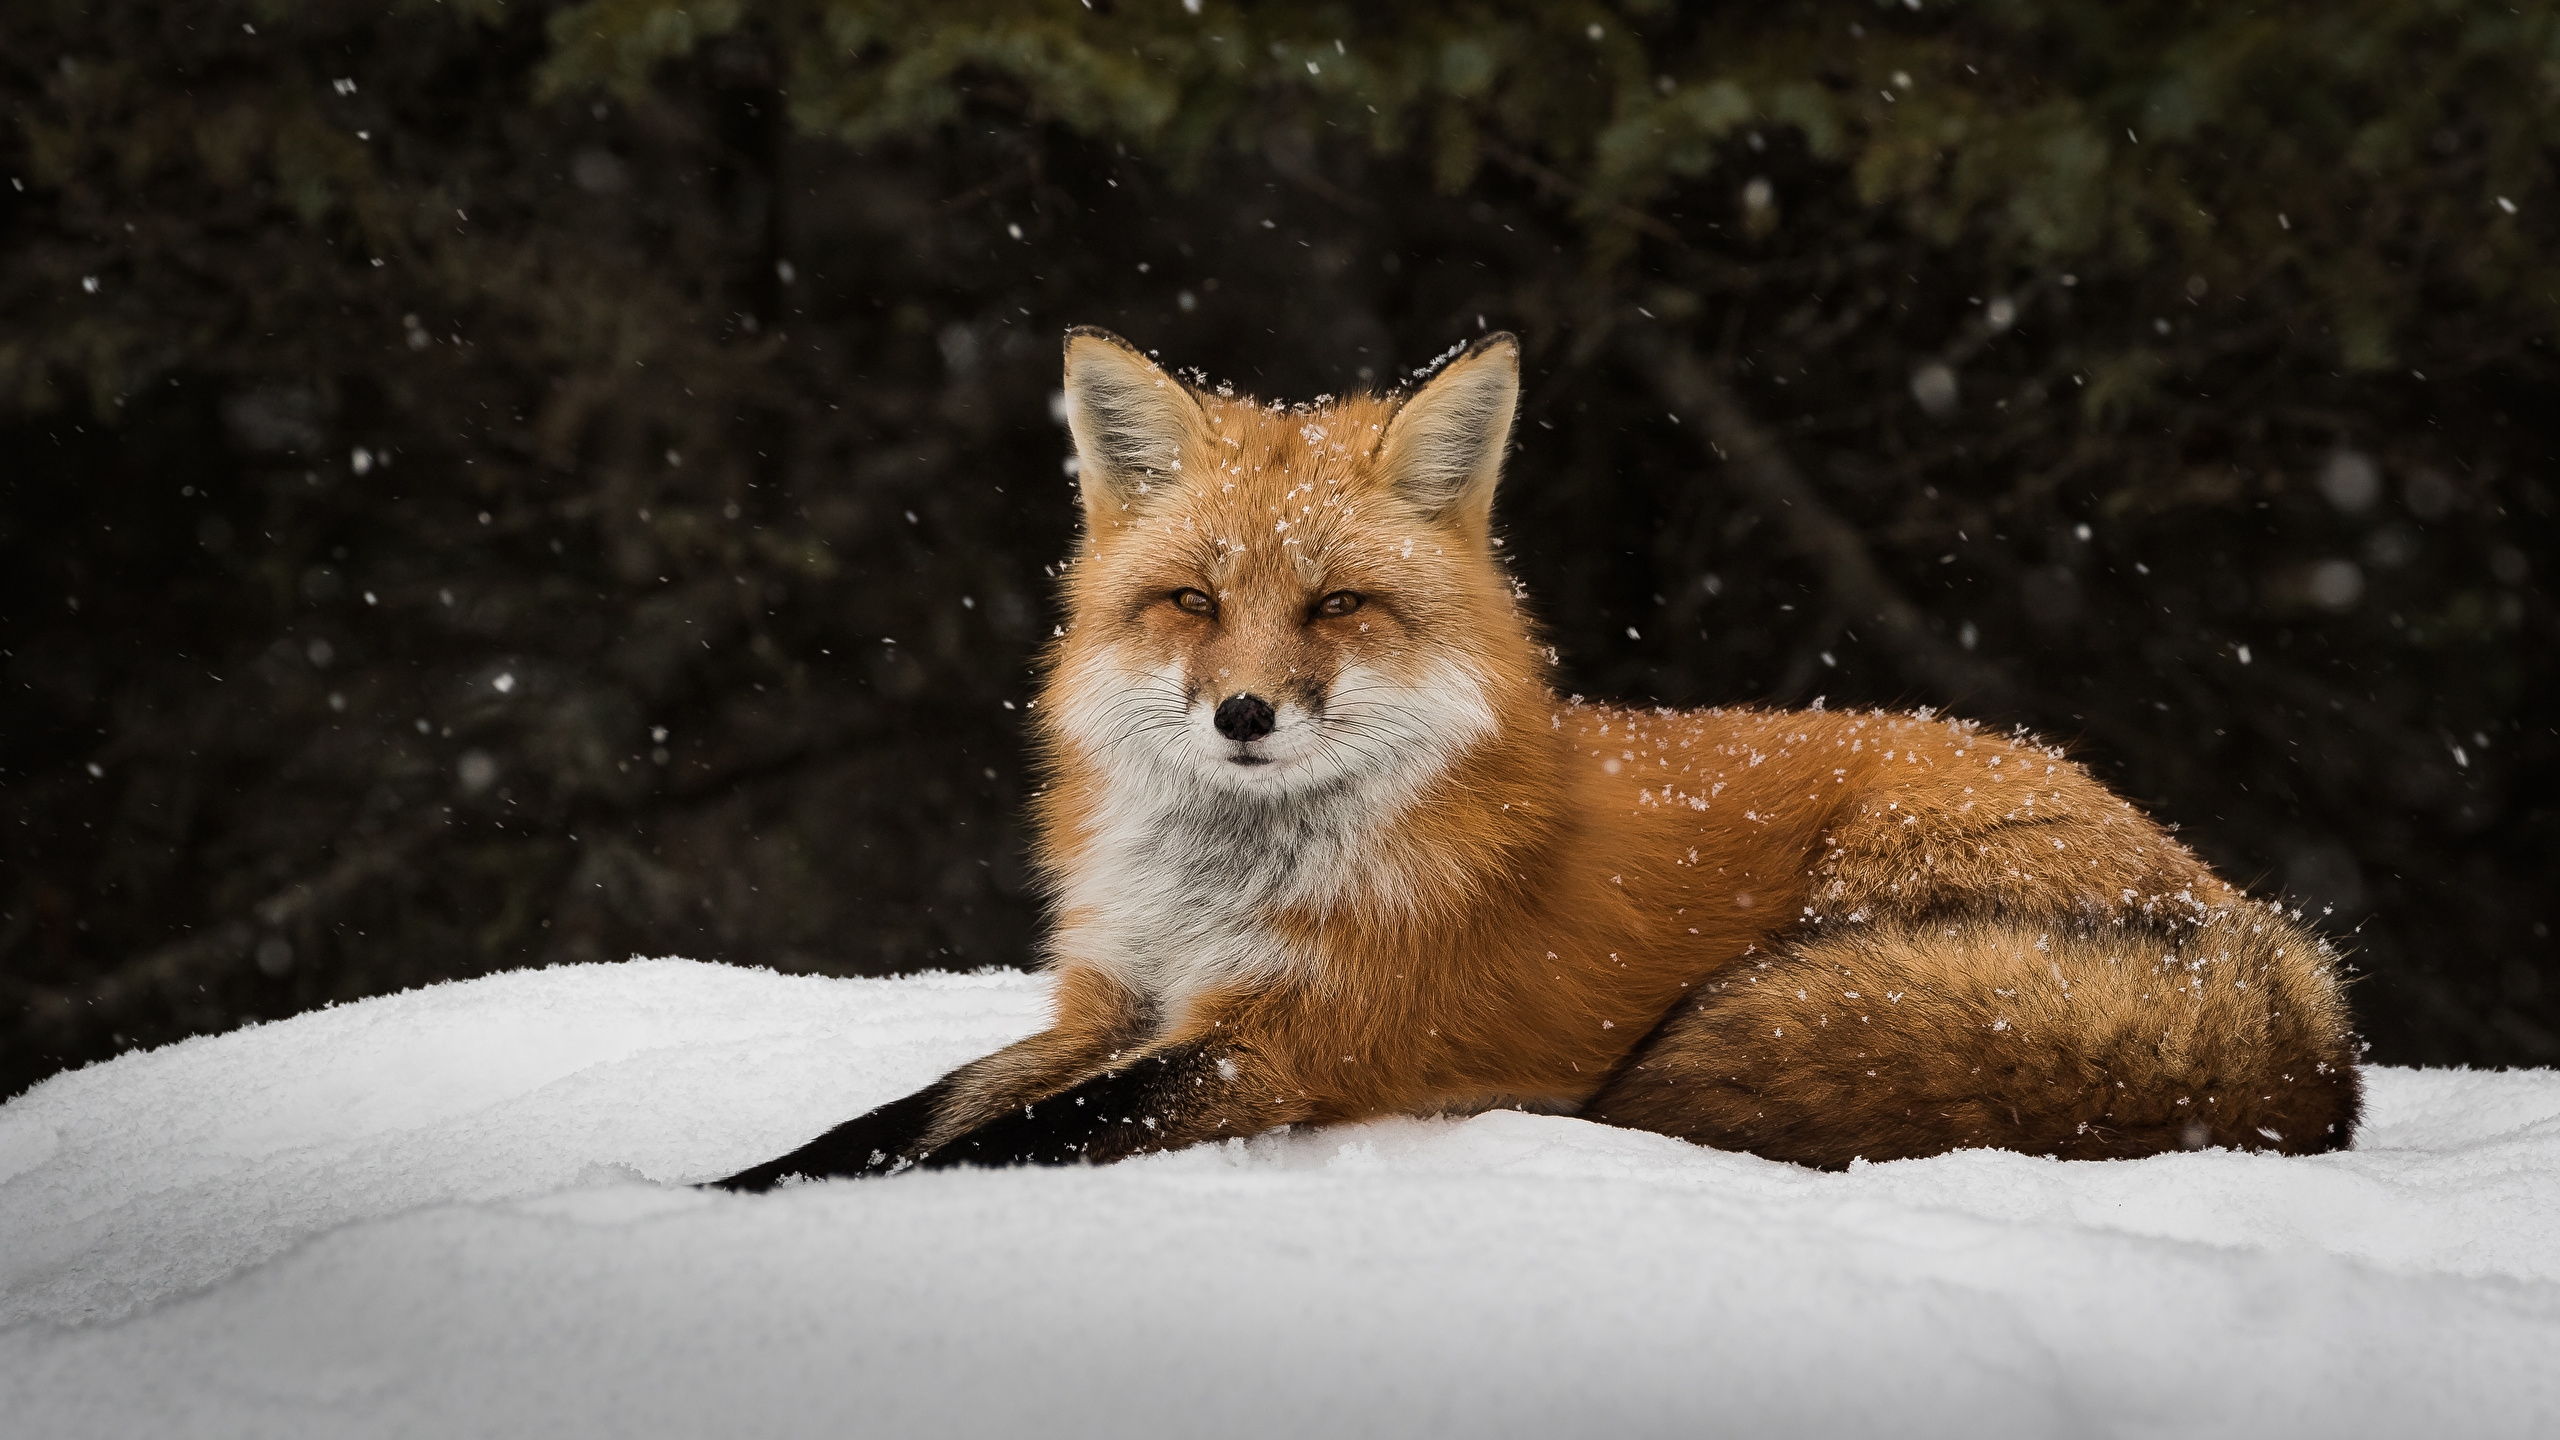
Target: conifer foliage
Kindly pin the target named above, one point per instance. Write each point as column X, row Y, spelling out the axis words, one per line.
column 493, row 483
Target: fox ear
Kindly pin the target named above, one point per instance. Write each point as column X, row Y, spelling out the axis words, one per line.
column 1443, row 449
column 1130, row 420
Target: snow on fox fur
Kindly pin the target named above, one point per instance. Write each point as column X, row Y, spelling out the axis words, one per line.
column 1323, row 844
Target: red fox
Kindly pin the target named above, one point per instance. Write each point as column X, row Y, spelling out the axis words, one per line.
column 1322, row 844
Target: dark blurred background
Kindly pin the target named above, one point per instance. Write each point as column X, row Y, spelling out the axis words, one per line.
column 492, row 484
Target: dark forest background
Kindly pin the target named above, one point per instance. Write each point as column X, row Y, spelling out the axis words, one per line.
column 491, row 484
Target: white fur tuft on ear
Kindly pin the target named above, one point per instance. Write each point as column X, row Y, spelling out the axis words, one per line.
column 1130, row 421
column 1443, row 450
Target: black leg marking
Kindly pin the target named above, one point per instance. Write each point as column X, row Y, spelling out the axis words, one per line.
column 874, row 1144
column 1139, row 1107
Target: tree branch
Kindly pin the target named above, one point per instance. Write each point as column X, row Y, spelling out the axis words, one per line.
column 1758, row 466
column 1548, row 178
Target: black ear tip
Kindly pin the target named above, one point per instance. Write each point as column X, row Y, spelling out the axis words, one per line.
column 1495, row 341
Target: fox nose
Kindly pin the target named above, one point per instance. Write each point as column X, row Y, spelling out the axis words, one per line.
column 1244, row 717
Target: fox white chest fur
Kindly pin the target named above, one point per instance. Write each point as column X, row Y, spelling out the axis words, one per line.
column 1196, row 839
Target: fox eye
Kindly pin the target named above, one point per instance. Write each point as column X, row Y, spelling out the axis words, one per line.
column 1340, row 602
column 1195, row 602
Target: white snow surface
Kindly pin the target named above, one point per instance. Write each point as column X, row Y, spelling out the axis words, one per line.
column 465, row 1211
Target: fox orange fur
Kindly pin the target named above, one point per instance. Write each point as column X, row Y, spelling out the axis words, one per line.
column 1323, row 845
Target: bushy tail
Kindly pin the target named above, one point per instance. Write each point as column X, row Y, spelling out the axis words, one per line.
column 2085, row 1042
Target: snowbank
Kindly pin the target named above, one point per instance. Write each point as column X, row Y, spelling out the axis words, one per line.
column 448, row 1212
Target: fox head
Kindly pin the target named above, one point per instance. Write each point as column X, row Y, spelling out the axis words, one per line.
column 1275, row 601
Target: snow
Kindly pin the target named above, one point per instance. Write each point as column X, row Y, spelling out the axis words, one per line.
column 462, row 1210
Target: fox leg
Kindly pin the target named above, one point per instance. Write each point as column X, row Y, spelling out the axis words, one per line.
column 2072, row 1039
column 1179, row 1095
column 1170, row 1097
column 883, row 1140
column 1096, row 1021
